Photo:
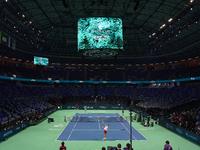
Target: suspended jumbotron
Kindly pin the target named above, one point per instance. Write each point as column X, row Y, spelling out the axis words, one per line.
column 100, row 36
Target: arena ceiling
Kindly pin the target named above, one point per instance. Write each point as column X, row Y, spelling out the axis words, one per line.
column 153, row 30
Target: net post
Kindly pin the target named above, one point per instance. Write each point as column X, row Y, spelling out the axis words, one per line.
column 130, row 126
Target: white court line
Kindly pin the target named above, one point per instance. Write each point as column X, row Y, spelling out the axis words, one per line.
column 73, row 127
column 126, row 128
column 64, row 129
column 97, row 129
column 136, row 130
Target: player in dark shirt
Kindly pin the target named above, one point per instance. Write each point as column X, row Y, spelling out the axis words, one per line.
column 167, row 146
column 62, row 147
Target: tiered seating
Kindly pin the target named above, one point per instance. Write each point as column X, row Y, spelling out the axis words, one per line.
column 186, row 95
column 135, row 75
column 11, row 109
column 35, row 103
column 184, row 72
column 115, row 75
column 172, row 97
column 162, row 99
column 54, row 74
column 195, row 72
column 104, row 91
column 66, row 90
column 42, row 91
column 147, row 93
column 131, row 74
column 8, row 90
column 85, row 91
column 29, row 73
column 160, row 75
column 125, row 91
column 6, row 70
column 76, row 75
column 95, row 73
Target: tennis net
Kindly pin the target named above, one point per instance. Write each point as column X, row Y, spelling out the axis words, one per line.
column 96, row 118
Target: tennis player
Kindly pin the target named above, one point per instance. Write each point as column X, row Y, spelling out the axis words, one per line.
column 85, row 107
column 105, row 130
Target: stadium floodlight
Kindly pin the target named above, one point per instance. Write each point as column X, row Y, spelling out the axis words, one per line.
column 162, row 26
column 170, row 20
column 191, row 1
column 23, row 15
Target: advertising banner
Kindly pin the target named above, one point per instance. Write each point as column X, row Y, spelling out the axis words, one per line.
column 115, row 107
column 5, row 134
column 48, row 112
column 184, row 133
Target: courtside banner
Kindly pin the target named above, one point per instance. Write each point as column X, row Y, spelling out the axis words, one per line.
column 48, row 112
column 184, row 133
column 114, row 107
column 8, row 133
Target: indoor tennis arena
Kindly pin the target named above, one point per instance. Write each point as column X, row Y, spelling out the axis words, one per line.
column 99, row 74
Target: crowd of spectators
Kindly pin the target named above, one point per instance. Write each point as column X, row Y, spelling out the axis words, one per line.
column 34, row 117
column 90, row 100
column 119, row 147
column 186, row 119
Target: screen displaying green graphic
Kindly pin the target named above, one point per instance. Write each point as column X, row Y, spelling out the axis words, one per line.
column 100, row 33
column 41, row 61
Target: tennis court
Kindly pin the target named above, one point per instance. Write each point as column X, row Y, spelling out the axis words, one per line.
column 88, row 127
column 45, row 135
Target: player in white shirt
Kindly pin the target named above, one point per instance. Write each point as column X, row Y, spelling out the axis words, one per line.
column 105, row 130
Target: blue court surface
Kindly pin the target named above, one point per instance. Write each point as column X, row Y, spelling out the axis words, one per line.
column 88, row 127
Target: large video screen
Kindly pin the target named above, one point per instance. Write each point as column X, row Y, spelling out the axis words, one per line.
column 100, row 33
column 41, row 61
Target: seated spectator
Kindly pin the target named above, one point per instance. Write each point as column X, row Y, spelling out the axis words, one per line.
column 103, row 148
column 128, row 147
column 119, row 146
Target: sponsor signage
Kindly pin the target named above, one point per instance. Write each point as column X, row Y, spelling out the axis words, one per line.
column 184, row 133
column 95, row 107
column 48, row 112
column 6, row 134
